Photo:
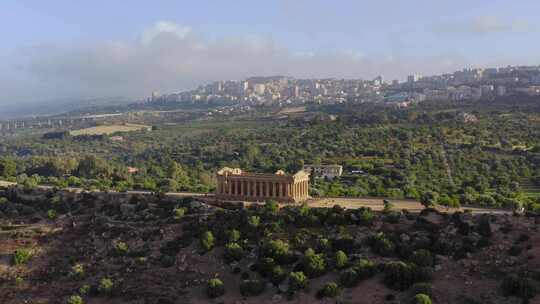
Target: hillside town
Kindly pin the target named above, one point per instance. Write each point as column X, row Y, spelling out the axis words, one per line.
column 467, row 84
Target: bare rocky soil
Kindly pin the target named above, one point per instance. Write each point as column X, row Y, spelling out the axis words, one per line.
column 152, row 257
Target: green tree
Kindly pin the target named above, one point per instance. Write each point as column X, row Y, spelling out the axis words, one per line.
column 233, row 252
column 8, row 167
column 421, row 299
column 75, row 299
column 314, row 264
column 341, row 259
column 207, row 241
column 105, row 286
column 21, row 256
column 215, row 288
column 429, row 199
column 330, row 290
column 297, row 281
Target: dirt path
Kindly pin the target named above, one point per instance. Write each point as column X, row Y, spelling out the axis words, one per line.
column 374, row 203
column 377, row 205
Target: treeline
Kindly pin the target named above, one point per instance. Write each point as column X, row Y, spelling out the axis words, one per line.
column 395, row 153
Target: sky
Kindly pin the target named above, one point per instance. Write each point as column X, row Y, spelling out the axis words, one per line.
column 65, row 49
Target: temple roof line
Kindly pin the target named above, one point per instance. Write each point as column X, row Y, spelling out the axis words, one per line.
column 226, row 171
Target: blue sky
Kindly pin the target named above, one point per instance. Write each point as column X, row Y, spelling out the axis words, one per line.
column 59, row 49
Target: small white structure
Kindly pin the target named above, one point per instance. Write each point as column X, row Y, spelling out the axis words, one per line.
column 324, row 171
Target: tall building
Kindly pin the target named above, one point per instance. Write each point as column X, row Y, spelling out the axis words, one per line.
column 259, row 89
column 413, row 78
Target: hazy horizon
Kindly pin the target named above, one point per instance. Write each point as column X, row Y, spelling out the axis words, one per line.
column 62, row 50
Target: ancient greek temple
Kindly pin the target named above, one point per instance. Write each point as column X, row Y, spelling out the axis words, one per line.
column 235, row 184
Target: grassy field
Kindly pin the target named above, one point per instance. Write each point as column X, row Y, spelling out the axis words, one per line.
column 109, row 129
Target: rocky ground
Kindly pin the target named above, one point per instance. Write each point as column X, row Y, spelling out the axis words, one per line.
column 150, row 252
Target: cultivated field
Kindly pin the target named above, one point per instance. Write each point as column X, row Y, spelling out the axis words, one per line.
column 109, row 129
column 292, row 110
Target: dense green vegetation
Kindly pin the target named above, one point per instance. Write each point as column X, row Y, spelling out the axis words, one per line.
column 426, row 153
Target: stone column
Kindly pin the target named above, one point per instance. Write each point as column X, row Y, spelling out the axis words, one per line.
column 241, row 187
column 288, row 189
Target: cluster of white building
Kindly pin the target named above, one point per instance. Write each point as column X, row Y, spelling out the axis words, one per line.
column 468, row 84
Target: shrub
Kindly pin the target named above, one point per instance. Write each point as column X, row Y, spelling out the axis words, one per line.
column 428, row 199
column 345, row 244
column 277, row 275
column 421, row 299
column 234, row 236
column 381, row 245
column 398, row 275
column 297, row 281
column 105, row 286
column 52, row 214
column 85, row 289
column 422, row 288
column 75, row 300
column 207, row 241
column 349, row 278
column 520, row 286
column 276, row 249
column 21, row 256
column 167, row 260
column 322, row 244
column 422, row 258
column 341, row 259
column 254, row 221
column 330, row 290
column 392, row 217
column 365, row 269
column 484, row 227
column 265, row 266
column 121, row 248
column 179, row 213
column 388, row 206
column 215, row 288
column 77, row 270
column 314, row 264
column 233, row 252
column 271, row 207
column 366, row 217
column 252, row 287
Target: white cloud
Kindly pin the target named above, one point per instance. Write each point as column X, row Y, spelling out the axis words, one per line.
column 482, row 25
column 164, row 27
column 169, row 57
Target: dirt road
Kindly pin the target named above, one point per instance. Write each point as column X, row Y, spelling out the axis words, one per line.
column 399, row 204
column 373, row 203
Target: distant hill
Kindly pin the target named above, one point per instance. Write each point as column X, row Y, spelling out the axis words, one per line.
column 58, row 106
